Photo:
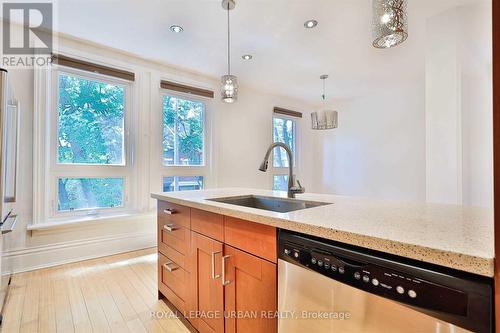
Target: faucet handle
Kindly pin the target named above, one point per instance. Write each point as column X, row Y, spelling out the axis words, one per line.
column 297, row 189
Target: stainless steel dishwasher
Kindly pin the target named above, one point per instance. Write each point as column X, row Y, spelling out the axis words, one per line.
column 325, row 286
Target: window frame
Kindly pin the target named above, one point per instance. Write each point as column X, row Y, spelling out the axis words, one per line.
column 283, row 171
column 177, row 184
column 59, row 170
column 202, row 170
column 198, row 100
column 93, row 211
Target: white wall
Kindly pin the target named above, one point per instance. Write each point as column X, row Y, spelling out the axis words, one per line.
column 427, row 138
column 377, row 150
column 459, row 107
column 240, row 136
column 443, row 109
column 477, row 100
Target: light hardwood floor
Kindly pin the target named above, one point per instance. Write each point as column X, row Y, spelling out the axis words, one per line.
column 110, row 294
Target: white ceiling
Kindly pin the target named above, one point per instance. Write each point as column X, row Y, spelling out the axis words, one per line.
column 288, row 59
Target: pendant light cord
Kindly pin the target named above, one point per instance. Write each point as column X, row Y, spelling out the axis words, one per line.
column 323, row 96
column 228, row 43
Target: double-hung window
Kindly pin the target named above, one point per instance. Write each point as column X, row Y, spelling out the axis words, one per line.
column 90, row 169
column 285, row 131
column 184, row 134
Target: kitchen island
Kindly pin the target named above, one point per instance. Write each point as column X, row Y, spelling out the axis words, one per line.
column 452, row 236
column 218, row 255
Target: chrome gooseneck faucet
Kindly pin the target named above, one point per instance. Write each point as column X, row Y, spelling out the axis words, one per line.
column 292, row 189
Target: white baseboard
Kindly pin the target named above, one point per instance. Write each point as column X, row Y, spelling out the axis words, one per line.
column 22, row 260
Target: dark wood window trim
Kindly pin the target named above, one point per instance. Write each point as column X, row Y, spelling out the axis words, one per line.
column 91, row 67
column 496, row 152
column 287, row 112
column 169, row 85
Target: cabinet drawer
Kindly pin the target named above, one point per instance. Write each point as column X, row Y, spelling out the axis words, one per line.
column 176, row 215
column 177, row 238
column 257, row 239
column 176, row 281
column 179, row 303
column 208, row 224
column 179, row 258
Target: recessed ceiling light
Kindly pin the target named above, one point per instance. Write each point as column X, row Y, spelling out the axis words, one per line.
column 309, row 24
column 176, row 28
column 247, row 57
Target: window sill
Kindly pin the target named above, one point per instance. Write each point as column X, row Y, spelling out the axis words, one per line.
column 73, row 222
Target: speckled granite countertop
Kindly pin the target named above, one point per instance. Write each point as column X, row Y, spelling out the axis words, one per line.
column 447, row 235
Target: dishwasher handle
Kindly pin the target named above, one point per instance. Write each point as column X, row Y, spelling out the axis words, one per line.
column 339, row 261
column 351, row 263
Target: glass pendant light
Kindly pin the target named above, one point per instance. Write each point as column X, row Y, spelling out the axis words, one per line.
column 229, row 83
column 390, row 23
column 324, row 119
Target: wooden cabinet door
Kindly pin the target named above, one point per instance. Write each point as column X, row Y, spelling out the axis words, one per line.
column 250, row 299
column 206, row 285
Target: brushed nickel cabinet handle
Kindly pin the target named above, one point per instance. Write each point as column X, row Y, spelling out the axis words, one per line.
column 214, row 276
column 224, row 281
column 169, row 211
column 170, row 227
column 170, row 266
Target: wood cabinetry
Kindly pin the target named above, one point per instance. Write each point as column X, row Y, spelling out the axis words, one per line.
column 257, row 239
column 174, row 224
column 219, row 271
column 173, row 283
column 174, row 237
column 208, row 224
column 250, row 293
column 206, row 288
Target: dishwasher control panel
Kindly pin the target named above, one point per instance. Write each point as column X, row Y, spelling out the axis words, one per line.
column 376, row 279
column 455, row 297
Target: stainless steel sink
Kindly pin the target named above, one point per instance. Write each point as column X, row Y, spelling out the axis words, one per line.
column 280, row 205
